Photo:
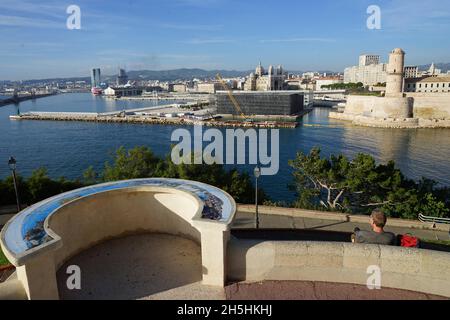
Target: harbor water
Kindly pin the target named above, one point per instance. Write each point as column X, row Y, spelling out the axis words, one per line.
column 68, row 148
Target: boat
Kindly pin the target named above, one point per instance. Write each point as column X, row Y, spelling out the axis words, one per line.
column 96, row 91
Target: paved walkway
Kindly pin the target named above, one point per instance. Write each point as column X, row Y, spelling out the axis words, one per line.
column 308, row 290
column 149, row 266
column 164, row 267
column 245, row 219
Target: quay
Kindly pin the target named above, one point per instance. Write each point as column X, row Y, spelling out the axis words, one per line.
column 189, row 97
column 131, row 117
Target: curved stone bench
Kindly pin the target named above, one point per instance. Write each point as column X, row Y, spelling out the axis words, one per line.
column 41, row 238
column 401, row 268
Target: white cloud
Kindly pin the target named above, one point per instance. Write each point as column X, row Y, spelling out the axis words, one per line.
column 53, row 9
column 16, row 21
column 415, row 15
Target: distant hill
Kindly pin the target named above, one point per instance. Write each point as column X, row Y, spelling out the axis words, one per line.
column 180, row 74
column 443, row 66
column 162, row 75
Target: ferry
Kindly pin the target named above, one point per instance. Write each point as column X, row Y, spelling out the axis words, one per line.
column 96, row 91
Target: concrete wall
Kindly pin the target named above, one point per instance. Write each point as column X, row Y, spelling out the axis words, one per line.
column 85, row 222
column 401, row 268
column 117, row 213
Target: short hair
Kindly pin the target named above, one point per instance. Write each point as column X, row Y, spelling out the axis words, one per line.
column 379, row 218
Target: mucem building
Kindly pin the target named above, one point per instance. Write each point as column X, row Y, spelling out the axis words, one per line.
column 272, row 103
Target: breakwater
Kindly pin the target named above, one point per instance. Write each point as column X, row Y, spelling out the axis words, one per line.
column 141, row 119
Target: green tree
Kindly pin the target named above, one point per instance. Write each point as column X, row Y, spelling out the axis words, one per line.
column 139, row 162
column 359, row 185
column 41, row 186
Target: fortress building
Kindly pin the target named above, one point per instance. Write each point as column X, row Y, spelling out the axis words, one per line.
column 394, row 80
column 414, row 103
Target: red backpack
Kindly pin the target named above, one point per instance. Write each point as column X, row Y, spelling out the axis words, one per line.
column 409, row 241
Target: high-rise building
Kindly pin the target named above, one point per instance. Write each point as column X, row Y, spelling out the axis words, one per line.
column 411, row 72
column 369, row 71
column 368, row 59
column 96, row 78
column 368, row 75
column 122, row 78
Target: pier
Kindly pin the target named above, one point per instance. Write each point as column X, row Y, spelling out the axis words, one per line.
column 141, row 116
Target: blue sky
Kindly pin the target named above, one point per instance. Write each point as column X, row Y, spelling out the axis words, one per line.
column 213, row 34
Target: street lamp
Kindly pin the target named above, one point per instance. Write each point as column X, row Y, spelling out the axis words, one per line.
column 12, row 163
column 257, row 173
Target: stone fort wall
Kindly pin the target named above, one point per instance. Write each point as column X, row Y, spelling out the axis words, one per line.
column 431, row 106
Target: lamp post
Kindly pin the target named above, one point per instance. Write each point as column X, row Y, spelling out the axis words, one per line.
column 257, row 173
column 12, row 163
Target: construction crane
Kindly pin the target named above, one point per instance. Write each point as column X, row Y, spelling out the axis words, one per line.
column 230, row 95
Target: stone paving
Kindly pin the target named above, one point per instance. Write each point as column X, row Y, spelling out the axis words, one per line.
column 308, row 290
column 148, row 266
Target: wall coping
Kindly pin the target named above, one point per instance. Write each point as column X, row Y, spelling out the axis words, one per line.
column 303, row 213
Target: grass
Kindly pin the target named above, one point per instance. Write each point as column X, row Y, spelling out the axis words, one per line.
column 3, row 260
column 356, row 93
column 440, row 242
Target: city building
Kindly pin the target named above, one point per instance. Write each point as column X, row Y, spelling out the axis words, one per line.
column 96, row 78
column 177, row 87
column 209, row 87
column 411, row 72
column 428, row 84
column 260, row 103
column 433, row 71
column 369, row 71
column 123, row 91
column 272, row 80
column 122, row 78
column 325, row 81
column 368, row 59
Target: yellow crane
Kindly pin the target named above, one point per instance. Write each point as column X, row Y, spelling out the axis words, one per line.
column 230, row 95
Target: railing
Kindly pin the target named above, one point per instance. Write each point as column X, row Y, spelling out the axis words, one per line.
column 433, row 220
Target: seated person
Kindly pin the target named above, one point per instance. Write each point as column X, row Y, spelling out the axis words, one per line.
column 377, row 235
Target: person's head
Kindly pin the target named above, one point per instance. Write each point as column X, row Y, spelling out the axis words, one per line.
column 378, row 219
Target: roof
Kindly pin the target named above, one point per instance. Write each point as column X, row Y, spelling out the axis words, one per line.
column 430, row 79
